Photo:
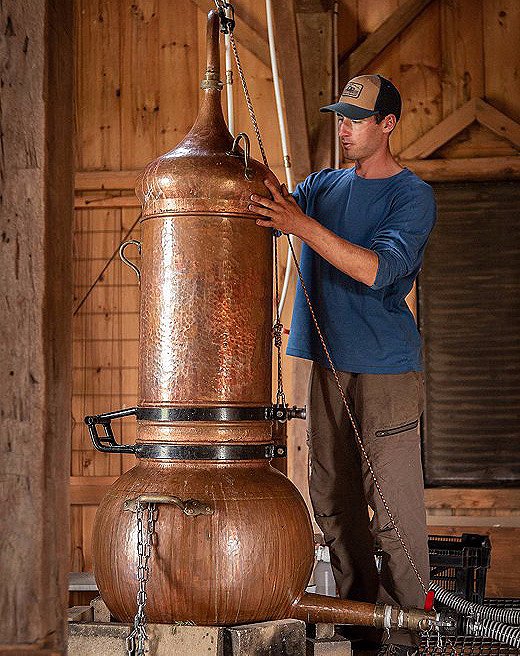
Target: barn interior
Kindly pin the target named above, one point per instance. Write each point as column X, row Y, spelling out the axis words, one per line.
column 92, row 93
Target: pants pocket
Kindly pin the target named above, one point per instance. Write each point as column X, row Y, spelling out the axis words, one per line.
column 398, row 429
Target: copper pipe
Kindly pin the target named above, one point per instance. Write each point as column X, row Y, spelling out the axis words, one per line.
column 314, row 609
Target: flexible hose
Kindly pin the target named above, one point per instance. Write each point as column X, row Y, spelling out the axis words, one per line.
column 510, row 616
column 509, row 635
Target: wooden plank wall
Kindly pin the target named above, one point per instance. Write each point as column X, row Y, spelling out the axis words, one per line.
column 138, row 66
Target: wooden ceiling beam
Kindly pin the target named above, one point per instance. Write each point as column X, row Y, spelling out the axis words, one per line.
column 466, row 168
column 442, row 132
column 353, row 63
column 291, row 74
column 499, row 123
column 246, row 34
column 475, row 109
column 313, row 6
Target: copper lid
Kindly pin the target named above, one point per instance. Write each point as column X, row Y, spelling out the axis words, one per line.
column 203, row 173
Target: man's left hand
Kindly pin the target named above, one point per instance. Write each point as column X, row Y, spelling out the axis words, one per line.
column 282, row 212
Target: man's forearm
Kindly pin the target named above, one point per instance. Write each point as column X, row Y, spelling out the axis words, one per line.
column 357, row 262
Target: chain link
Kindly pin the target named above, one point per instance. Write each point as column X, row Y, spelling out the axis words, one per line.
column 137, row 639
column 354, row 424
column 278, row 328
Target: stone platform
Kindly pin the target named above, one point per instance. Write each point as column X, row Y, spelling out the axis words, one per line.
column 91, row 633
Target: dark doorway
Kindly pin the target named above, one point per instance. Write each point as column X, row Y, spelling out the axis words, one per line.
column 469, row 315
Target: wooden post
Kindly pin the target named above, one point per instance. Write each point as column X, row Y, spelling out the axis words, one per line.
column 36, row 193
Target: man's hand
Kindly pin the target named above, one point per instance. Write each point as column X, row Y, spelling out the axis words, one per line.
column 282, row 213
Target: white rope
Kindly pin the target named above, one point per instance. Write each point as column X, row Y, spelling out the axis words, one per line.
column 335, row 72
column 283, row 138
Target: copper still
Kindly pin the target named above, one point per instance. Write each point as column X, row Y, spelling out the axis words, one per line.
column 233, row 541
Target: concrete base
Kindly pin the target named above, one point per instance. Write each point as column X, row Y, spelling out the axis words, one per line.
column 91, row 633
column 327, row 643
column 277, row 638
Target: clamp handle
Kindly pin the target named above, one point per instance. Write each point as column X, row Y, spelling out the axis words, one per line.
column 107, row 442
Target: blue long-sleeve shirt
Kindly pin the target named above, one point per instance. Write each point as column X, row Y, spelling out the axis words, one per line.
column 367, row 329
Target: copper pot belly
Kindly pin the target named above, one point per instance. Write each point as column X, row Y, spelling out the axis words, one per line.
column 247, row 561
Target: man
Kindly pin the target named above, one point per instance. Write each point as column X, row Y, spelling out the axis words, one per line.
column 364, row 230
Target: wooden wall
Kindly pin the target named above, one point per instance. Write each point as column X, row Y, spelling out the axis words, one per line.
column 138, row 66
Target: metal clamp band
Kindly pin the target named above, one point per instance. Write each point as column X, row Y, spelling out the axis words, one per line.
column 166, row 451
column 220, row 413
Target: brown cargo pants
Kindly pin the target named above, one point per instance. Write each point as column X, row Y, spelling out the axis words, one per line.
column 387, row 408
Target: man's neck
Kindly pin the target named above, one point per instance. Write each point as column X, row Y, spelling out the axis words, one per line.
column 378, row 165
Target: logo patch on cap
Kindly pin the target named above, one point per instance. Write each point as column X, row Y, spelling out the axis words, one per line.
column 352, row 90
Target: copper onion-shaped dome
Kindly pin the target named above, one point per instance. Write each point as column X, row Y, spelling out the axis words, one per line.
column 204, row 172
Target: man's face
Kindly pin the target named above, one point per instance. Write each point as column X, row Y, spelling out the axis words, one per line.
column 362, row 138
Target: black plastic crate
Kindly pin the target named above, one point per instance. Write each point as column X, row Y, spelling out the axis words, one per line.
column 460, row 564
column 465, row 646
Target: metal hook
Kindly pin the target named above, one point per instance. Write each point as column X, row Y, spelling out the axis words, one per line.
column 127, row 261
column 248, row 171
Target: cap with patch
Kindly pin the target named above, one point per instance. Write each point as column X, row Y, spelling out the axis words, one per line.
column 366, row 95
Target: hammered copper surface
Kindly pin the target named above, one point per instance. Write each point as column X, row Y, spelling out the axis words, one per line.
column 201, row 432
column 247, row 562
column 206, row 311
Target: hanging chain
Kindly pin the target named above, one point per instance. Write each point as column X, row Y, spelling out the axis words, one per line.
column 248, row 100
column 278, row 326
column 277, row 329
column 354, row 424
column 277, row 332
column 136, row 641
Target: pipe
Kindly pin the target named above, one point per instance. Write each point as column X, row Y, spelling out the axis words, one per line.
column 509, row 635
column 314, row 609
column 283, row 137
column 335, row 69
column 471, row 608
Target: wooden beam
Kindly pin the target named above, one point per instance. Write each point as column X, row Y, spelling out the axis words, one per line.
column 97, row 202
column 246, row 34
column 497, row 122
column 36, row 184
column 357, row 61
column 89, row 490
column 441, row 133
column 472, row 499
column 290, row 67
column 99, row 180
column 465, row 521
column 474, row 168
column 313, row 6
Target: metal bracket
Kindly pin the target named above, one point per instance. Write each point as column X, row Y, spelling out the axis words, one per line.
column 190, row 507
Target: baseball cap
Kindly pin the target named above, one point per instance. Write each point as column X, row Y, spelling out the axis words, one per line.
column 366, row 95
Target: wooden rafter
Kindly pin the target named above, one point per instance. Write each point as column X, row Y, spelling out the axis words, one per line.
column 290, row 68
column 475, row 109
column 246, row 34
column 354, row 63
column 466, row 168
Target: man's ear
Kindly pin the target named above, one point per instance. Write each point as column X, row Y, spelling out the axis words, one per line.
column 389, row 122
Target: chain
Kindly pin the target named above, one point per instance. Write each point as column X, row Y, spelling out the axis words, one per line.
column 278, row 326
column 248, row 100
column 353, row 421
column 277, row 330
column 136, row 641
